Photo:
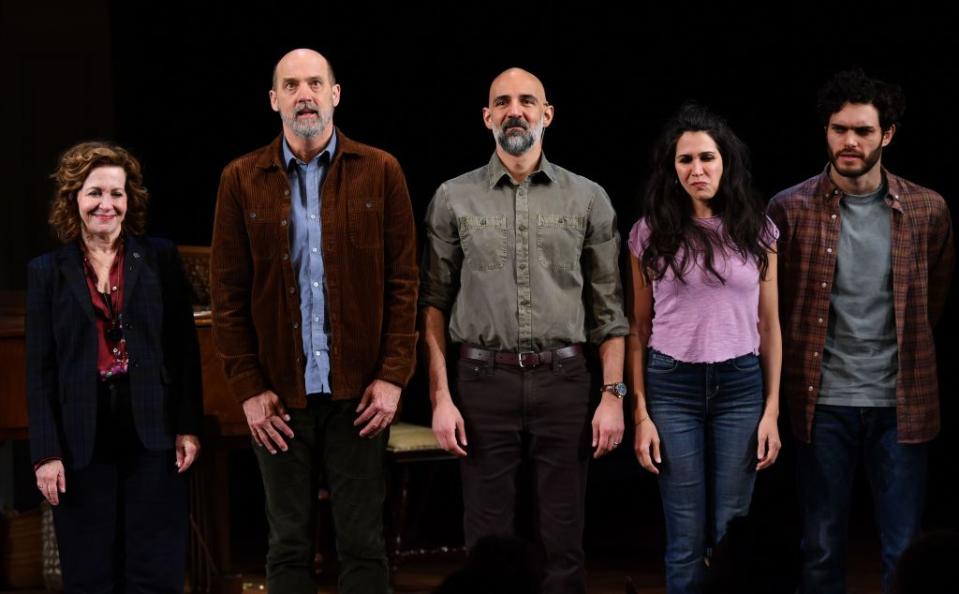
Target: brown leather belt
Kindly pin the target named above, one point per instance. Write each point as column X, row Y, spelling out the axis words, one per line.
column 525, row 360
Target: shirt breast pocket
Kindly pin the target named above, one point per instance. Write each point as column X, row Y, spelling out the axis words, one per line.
column 559, row 240
column 366, row 222
column 484, row 241
column 264, row 227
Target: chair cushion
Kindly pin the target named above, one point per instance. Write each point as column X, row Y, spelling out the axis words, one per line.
column 407, row 437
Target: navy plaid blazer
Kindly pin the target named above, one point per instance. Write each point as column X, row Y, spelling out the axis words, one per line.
column 164, row 364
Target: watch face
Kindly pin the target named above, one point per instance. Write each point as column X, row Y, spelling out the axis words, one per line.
column 617, row 390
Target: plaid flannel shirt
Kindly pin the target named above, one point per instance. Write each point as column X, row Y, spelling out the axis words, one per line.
column 809, row 221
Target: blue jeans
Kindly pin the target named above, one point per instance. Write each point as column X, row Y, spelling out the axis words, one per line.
column 897, row 477
column 706, row 415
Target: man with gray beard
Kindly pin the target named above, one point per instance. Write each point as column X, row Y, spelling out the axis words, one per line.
column 522, row 261
column 313, row 280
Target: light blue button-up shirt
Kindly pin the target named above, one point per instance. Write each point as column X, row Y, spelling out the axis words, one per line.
column 306, row 250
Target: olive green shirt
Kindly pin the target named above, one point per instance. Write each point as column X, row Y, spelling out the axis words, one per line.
column 525, row 266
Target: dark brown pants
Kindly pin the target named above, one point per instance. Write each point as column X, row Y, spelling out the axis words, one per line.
column 540, row 417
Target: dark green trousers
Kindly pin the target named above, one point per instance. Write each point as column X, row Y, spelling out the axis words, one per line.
column 327, row 445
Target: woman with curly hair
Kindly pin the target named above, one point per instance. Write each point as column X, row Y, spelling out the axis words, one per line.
column 704, row 350
column 113, row 381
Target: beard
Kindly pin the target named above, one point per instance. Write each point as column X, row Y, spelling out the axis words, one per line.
column 305, row 128
column 868, row 162
column 517, row 142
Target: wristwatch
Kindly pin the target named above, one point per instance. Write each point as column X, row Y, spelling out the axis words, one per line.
column 618, row 389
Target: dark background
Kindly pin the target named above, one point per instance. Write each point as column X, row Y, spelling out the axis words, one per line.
column 184, row 87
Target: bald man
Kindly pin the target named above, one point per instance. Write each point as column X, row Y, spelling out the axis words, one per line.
column 313, row 279
column 522, row 263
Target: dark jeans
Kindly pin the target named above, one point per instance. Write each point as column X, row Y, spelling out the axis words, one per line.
column 897, row 477
column 122, row 524
column 326, row 443
column 541, row 416
column 706, row 415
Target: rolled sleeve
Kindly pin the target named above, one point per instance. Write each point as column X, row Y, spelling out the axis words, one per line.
column 600, row 264
column 442, row 256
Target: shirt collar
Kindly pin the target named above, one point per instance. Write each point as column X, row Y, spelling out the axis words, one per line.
column 831, row 193
column 290, row 159
column 544, row 173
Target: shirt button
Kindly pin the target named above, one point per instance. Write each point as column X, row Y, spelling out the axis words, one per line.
column 252, row 215
column 296, row 324
column 810, row 389
column 286, row 256
column 283, row 223
column 823, row 285
column 819, row 320
column 316, row 284
column 522, row 227
column 317, row 353
column 522, row 266
column 292, row 290
column 316, row 318
column 286, row 192
column 312, row 216
column 815, row 354
column 314, row 250
column 833, row 217
column 524, row 302
column 828, row 250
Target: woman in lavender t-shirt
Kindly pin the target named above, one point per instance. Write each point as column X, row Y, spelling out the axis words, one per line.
column 705, row 349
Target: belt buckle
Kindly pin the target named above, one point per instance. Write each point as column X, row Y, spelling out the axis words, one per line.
column 521, row 359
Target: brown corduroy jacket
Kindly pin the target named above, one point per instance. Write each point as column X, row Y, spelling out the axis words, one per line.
column 369, row 254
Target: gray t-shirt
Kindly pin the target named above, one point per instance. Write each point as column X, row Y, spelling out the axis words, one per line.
column 861, row 357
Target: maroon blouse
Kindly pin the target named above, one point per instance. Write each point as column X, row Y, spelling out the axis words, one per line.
column 107, row 307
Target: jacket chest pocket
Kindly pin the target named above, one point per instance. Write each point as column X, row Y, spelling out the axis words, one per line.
column 484, row 241
column 559, row 240
column 366, row 222
column 267, row 228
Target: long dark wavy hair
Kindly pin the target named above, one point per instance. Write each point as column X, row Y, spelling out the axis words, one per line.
column 675, row 238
